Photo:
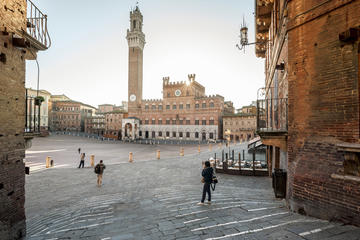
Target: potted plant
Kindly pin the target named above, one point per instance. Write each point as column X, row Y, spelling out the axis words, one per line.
column 39, row 100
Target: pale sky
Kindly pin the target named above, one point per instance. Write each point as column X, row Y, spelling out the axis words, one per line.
column 88, row 59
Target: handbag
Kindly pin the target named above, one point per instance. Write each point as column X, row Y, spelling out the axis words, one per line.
column 214, row 180
column 202, row 180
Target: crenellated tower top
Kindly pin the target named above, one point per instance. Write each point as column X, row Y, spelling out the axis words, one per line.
column 135, row 36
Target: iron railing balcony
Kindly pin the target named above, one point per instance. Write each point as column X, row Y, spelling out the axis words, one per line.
column 272, row 116
column 37, row 33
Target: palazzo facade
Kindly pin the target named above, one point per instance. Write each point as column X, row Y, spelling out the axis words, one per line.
column 184, row 112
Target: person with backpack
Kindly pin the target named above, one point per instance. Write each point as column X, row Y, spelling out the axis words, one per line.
column 82, row 160
column 207, row 178
column 99, row 170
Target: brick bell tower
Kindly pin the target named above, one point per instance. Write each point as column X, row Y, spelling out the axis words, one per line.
column 136, row 42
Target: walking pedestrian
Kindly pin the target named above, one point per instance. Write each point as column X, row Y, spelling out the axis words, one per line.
column 79, row 150
column 99, row 170
column 207, row 176
column 82, row 160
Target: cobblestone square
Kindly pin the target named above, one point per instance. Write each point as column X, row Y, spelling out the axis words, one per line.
column 153, row 199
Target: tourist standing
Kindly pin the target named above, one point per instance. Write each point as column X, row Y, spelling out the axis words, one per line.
column 99, row 170
column 79, row 150
column 207, row 174
column 82, row 160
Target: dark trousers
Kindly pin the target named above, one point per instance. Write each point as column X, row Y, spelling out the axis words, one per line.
column 81, row 163
column 206, row 189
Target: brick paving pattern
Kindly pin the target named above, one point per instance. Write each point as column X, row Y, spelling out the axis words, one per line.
column 157, row 199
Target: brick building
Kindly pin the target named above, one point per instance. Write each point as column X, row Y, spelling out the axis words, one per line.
column 103, row 108
column 65, row 116
column 113, row 124
column 309, row 114
column 18, row 42
column 240, row 126
column 185, row 112
column 95, row 124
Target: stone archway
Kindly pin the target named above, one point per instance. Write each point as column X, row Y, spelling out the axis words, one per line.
column 128, row 130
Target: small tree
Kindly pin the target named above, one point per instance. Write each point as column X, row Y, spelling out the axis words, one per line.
column 39, row 100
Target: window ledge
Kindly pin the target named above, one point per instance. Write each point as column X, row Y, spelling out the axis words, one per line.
column 345, row 177
column 348, row 147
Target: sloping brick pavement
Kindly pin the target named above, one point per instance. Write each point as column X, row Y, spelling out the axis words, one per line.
column 156, row 199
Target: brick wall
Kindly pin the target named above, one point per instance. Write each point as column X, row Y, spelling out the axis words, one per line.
column 12, row 120
column 323, row 108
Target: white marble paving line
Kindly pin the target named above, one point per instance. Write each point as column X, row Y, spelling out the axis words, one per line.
column 39, row 233
column 195, row 220
column 190, row 202
column 316, row 230
column 259, row 229
column 45, row 151
column 40, row 168
column 170, row 198
column 208, row 210
column 240, row 221
column 94, row 219
column 261, row 209
column 212, row 204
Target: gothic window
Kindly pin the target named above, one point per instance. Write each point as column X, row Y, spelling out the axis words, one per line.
column 211, row 122
column 196, row 135
column 168, row 134
column 153, row 121
column 203, row 105
column 174, row 121
column 180, row 134
column 168, row 94
column 197, row 122
column 153, row 106
column 187, row 134
column 168, row 106
column 181, row 106
column 168, row 121
column 211, row 135
column 196, row 105
column 181, row 122
column 211, row 104
column 187, row 121
column 134, row 24
column 188, row 106
column 160, row 121
column 146, row 121
column 203, row 122
column 160, row 107
column 160, row 134
column 146, row 106
column 174, row 106
column 174, row 134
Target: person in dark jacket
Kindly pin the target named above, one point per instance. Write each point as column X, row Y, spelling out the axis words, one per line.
column 207, row 174
column 99, row 171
